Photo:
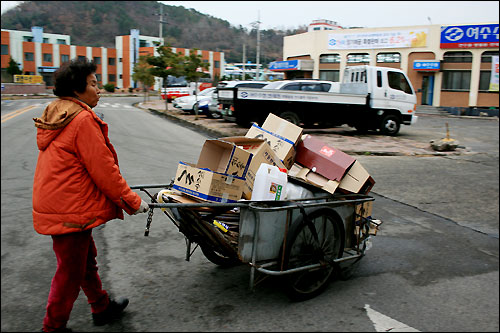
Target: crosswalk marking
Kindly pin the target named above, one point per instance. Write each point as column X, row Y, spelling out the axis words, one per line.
column 114, row 105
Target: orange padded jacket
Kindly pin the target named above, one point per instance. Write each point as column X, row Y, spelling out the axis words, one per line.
column 77, row 184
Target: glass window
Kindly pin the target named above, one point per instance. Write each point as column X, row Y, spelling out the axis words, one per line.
column 456, row 80
column 98, row 77
column 143, row 43
column 64, row 57
column 379, row 79
column 398, row 81
column 27, row 39
column 217, row 64
column 484, row 80
column 61, row 41
column 47, row 57
column 388, row 57
column 45, row 40
column 329, row 75
column 358, row 57
column 28, row 56
column 97, row 60
column 292, row 86
column 111, row 77
column 329, row 58
column 311, row 87
column 465, row 56
column 111, row 61
column 486, row 56
column 5, row 49
column 81, row 57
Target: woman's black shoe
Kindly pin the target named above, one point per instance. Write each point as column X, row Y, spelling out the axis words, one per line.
column 114, row 309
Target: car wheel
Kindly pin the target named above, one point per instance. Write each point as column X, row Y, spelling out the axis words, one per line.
column 390, row 124
column 291, row 117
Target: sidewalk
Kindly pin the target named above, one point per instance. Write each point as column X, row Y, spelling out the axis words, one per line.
column 343, row 138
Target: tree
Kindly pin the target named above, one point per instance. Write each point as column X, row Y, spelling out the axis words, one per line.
column 143, row 74
column 13, row 68
column 165, row 64
column 193, row 70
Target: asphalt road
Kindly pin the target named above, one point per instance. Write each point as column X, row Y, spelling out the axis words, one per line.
column 433, row 266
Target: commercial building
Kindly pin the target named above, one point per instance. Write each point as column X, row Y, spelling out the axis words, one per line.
column 452, row 66
column 39, row 53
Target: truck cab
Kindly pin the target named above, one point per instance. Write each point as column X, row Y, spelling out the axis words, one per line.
column 389, row 91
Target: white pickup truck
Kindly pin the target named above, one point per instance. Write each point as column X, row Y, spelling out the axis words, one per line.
column 368, row 98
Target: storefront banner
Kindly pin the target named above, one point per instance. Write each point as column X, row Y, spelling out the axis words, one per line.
column 494, row 74
column 380, row 39
column 427, row 65
column 469, row 36
column 284, row 65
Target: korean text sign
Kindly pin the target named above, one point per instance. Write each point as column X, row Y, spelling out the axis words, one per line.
column 379, row 39
column 469, row 36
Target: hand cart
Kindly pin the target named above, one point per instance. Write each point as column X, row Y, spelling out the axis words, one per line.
column 307, row 241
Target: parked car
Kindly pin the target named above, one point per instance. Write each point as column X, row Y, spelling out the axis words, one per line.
column 305, row 85
column 216, row 110
column 187, row 103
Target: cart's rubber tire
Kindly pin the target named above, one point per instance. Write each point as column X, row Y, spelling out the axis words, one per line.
column 219, row 258
column 302, row 251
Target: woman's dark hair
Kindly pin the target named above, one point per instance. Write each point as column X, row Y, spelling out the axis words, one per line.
column 72, row 76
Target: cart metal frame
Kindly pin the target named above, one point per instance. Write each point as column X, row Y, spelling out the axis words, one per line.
column 254, row 213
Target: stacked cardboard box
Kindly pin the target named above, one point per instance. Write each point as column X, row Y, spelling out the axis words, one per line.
column 226, row 168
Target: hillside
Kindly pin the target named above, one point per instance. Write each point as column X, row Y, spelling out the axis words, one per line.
column 96, row 23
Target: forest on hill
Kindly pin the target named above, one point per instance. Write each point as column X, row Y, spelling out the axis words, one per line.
column 96, row 23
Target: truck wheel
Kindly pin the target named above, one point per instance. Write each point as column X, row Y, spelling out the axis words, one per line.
column 390, row 125
column 291, row 117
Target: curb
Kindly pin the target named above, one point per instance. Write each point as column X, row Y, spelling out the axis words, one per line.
column 361, row 152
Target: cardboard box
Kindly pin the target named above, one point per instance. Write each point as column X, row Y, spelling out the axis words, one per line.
column 356, row 180
column 219, row 175
column 327, row 161
column 261, row 153
column 313, row 178
column 281, row 135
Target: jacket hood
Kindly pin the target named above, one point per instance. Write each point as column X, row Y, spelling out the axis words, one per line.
column 55, row 117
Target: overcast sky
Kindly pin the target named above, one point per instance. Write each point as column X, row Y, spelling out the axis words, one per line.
column 291, row 14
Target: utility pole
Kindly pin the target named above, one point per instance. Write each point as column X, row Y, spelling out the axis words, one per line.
column 162, row 42
column 244, row 61
column 257, row 69
column 161, row 21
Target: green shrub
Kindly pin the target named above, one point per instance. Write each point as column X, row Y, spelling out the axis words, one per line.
column 110, row 87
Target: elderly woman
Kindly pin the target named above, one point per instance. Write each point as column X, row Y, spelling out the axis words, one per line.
column 77, row 187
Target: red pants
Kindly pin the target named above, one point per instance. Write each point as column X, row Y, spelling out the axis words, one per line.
column 76, row 268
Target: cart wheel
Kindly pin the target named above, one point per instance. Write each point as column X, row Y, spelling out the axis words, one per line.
column 219, row 258
column 304, row 248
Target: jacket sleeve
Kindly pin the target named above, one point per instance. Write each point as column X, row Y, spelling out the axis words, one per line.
column 98, row 159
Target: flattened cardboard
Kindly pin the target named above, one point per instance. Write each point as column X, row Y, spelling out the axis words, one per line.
column 313, row 178
column 261, row 153
column 281, row 135
column 325, row 160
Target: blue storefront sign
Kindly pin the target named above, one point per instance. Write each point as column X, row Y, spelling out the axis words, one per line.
column 469, row 36
column 284, row 65
column 426, row 65
column 47, row 69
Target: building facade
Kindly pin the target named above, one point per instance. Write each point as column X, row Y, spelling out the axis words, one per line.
column 39, row 53
column 447, row 65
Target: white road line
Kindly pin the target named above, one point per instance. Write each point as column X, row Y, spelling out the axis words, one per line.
column 384, row 323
